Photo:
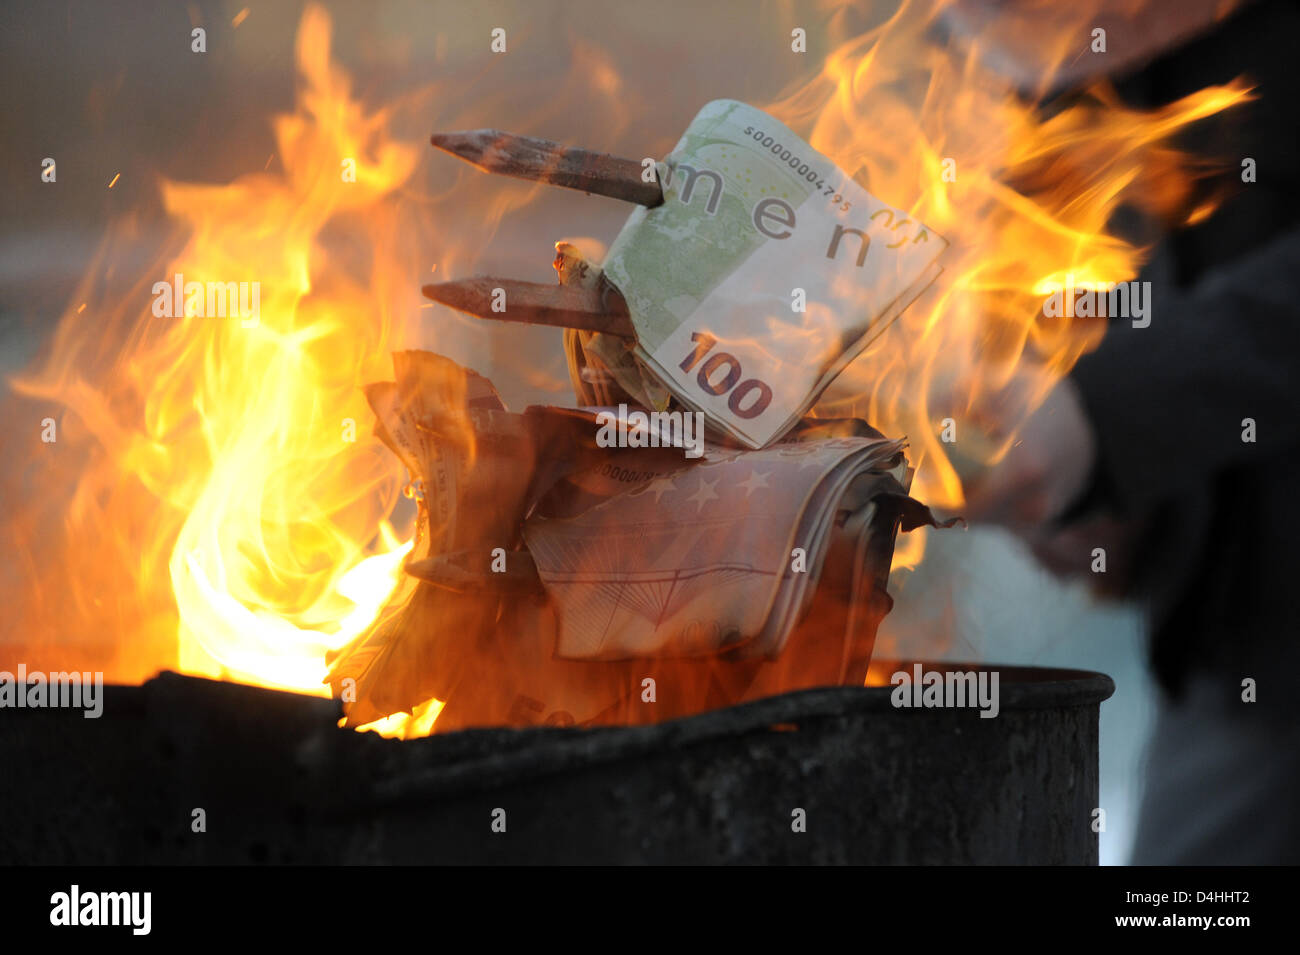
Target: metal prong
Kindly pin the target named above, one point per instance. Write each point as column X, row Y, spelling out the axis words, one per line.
column 534, row 304
column 527, row 157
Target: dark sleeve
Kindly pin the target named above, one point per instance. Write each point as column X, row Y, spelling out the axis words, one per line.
column 1168, row 401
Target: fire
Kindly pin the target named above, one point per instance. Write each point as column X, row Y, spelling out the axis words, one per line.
column 237, row 452
column 264, row 494
column 1025, row 198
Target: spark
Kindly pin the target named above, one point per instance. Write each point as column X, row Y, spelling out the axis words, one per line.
column 115, row 179
column 239, row 18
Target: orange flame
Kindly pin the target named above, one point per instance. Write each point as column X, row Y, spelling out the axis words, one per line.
column 238, row 454
column 251, row 435
column 1025, row 198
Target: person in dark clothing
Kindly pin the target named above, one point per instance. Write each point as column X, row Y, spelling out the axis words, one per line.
column 1176, row 447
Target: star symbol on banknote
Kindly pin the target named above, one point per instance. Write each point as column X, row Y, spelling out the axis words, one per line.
column 754, row 482
column 660, row 487
column 705, row 493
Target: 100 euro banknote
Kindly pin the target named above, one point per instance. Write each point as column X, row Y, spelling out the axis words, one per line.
column 751, row 214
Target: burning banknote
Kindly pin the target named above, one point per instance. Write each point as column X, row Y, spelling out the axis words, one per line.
column 763, row 273
column 568, row 577
column 556, row 576
column 740, row 288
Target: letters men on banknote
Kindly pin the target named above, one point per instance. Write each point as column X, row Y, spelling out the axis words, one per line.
column 551, row 576
column 750, row 213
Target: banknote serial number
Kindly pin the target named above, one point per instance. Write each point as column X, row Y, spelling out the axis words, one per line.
column 799, row 165
column 746, row 399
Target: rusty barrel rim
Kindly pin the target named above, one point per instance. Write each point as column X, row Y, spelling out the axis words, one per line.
column 542, row 751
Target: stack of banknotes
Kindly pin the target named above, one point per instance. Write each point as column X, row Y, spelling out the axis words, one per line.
column 559, row 578
column 551, row 576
